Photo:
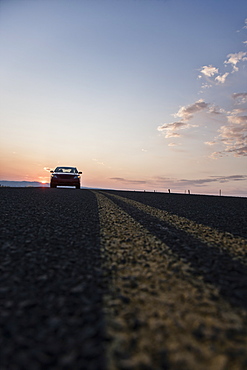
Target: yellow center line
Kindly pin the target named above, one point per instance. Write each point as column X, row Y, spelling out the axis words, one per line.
column 155, row 308
column 237, row 246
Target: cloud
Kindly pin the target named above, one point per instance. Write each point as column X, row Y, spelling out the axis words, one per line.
column 173, row 126
column 232, row 59
column 170, row 128
column 210, row 179
column 163, row 182
column 238, row 120
column 186, row 113
column 121, row 179
column 234, row 136
column 222, row 78
column 170, row 134
column 175, row 182
column 235, row 58
column 240, row 98
column 205, row 85
column 209, row 71
column 237, row 111
column 213, row 109
column 173, row 144
column 176, row 125
column 239, row 151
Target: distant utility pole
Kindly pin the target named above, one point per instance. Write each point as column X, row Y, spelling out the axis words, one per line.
column 220, row 192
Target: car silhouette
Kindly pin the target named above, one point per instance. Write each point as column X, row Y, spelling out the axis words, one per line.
column 65, row 176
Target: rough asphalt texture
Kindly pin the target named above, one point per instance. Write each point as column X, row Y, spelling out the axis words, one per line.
column 51, row 286
column 122, row 280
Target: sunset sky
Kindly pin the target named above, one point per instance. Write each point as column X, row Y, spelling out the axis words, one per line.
column 137, row 94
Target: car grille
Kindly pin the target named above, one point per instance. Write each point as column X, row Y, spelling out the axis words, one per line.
column 65, row 177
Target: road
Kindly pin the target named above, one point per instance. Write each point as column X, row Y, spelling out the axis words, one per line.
column 122, row 280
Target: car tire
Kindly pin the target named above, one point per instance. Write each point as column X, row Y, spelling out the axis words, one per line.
column 78, row 187
column 53, row 186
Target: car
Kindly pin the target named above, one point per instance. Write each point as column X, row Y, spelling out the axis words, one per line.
column 65, row 176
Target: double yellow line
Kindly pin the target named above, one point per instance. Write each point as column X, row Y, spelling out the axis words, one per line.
column 236, row 246
column 158, row 313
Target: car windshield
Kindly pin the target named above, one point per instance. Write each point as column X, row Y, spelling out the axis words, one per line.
column 66, row 170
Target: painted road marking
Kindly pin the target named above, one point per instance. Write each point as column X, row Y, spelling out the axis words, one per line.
column 236, row 246
column 158, row 313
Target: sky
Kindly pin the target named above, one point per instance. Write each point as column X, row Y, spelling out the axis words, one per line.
column 137, row 94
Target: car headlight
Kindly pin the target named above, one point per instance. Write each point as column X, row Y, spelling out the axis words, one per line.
column 54, row 176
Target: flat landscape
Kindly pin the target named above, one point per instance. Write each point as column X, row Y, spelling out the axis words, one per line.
column 96, row 279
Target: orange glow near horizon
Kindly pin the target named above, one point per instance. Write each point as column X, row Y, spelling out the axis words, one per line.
column 111, row 175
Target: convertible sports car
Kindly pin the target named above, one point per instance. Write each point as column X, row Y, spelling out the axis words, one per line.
column 65, row 176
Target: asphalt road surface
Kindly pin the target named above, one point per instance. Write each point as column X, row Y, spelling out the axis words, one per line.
column 122, row 280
